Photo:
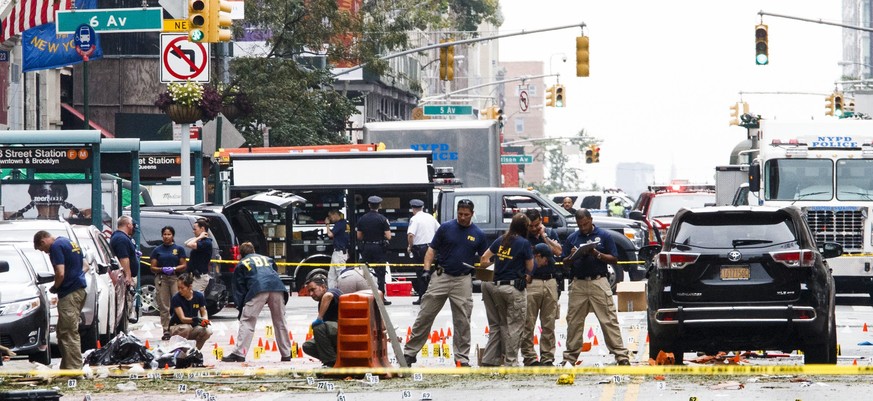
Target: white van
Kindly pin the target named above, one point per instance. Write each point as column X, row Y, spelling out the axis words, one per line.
column 597, row 202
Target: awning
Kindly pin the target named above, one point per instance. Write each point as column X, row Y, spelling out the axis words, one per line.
column 103, row 131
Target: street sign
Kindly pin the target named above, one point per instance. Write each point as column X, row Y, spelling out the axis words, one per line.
column 182, row 60
column 175, row 25
column 112, row 20
column 516, row 159
column 448, row 110
column 85, row 40
column 523, row 101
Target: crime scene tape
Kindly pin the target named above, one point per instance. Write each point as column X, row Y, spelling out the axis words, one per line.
column 313, row 264
column 688, row 370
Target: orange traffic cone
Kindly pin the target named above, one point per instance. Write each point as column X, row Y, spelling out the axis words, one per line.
column 291, row 336
column 487, row 330
column 408, row 331
column 98, row 344
column 647, row 338
column 457, row 364
column 275, row 348
column 449, row 332
column 260, row 342
column 442, row 334
column 536, row 341
column 147, row 345
column 865, row 327
column 596, row 343
column 231, row 341
column 855, row 362
column 435, row 337
column 166, row 366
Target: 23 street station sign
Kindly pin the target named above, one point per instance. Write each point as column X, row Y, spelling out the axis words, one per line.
column 57, row 160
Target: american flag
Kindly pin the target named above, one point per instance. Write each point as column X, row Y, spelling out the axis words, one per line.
column 30, row 13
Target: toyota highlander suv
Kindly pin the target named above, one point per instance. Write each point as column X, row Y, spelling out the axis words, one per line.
column 734, row 278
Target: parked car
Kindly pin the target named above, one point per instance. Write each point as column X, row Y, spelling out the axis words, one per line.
column 597, row 202
column 744, row 277
column 41, row 263
column 22, row 231
column 95, row 247
column 151, row 223
column 24, row 307
column 657, row 206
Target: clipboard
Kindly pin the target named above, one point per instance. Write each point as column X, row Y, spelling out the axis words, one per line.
column 581, row 251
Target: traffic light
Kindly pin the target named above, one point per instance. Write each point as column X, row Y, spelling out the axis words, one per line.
column 761, row 47
column 838, row 104
column 551, row 96
column 829, row 105
column 198, row 20
column 582, row 56
column 447, row 62
column 589, row 154
column 220, row 22
column 735, row 112
column 499, row 113
column 559, row 96
column 490, row 113
column 595, row 158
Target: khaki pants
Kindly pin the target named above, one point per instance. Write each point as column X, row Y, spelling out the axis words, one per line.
column 505, row 307
column 276, row 302
column 592, row 296
column 200, row 283
column 322, row 346
column 166, row 286
column 459, row 292
column 198, row 334
column 542, row 300
column 337, row 264
column 69, row 342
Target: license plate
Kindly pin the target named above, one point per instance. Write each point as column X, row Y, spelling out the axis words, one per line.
column 735, row 272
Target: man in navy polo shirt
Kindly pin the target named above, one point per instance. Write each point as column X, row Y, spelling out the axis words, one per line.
column 457, row 244
column 124, row 249
column 201, row 254
column 66, row 257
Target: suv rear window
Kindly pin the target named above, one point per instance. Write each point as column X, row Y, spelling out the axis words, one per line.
column 151, row 228
column 730, row 230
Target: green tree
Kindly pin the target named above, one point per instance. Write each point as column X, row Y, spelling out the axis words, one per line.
column 561, row 174
column 291, row 90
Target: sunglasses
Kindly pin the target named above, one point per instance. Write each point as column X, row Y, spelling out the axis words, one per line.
column 465, row 203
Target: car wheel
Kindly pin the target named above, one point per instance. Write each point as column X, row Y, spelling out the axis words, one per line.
column 149, row 295
column 824, row 353
column 43, row 357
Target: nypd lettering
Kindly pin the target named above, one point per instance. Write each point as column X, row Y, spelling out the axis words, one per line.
column 834, row 142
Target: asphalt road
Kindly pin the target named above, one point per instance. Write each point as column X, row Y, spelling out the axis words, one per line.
column 444, row 384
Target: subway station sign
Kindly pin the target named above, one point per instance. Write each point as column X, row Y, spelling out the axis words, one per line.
column 150, row 165
column 52, row 159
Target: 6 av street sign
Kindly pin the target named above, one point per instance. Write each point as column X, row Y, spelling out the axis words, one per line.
column 516, row 159
column 448, row 110
column 112, row 20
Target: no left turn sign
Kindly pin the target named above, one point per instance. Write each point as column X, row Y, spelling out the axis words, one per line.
column 182, row 60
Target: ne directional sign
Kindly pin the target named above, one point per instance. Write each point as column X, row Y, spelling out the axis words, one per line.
column 448, row 110
column 112, row 20
column 516, row 159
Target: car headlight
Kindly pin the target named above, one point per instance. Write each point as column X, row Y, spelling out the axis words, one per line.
column 636, row 236
column 21, row 308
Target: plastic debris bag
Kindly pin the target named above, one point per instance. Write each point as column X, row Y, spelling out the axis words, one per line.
column 178, row 353
column 123, row 349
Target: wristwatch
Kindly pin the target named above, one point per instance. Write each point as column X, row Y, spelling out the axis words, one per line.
column 599, row 255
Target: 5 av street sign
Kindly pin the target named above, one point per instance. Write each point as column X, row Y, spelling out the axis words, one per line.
column 112, row 20
column 448, row 110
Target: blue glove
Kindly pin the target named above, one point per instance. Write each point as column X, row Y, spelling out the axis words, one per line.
column 168, row 270
column 138, row 254
column 317, row 322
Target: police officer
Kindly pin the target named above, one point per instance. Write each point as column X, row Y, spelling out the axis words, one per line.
column 590, row 291
column 255, row 284
column 457, row 242
column 542, row 293
column 124, row 249
column 374, row 232
column 66, row 257
column 422, row 227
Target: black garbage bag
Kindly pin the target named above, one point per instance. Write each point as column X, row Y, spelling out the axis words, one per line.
column 180, row 358
column 123, row 349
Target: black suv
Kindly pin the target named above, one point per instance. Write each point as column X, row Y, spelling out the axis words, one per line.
column 733, row 278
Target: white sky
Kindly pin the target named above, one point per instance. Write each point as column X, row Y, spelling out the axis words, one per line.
column 664, row 74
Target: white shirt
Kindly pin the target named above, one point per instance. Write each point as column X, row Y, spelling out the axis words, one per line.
column 423, row 227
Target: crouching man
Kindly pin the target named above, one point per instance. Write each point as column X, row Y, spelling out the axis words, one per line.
column 324, row 327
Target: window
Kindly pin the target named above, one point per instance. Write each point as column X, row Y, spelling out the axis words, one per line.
column 854, row 180
column 513, row 204
column 481, row 207
column 734, row 230
column 798, row 179
column 519, row 125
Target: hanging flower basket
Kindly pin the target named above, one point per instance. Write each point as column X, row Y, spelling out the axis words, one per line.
column 231, row 111
column 181, row 114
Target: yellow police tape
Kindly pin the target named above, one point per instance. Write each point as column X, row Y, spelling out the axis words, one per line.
column 703, row 370
column 629, row 262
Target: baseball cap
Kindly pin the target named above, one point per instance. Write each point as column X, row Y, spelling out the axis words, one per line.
column 416, row 203
column 543, row 249
column 374, row 199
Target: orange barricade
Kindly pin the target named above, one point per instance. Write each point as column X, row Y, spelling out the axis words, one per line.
column 361, row 340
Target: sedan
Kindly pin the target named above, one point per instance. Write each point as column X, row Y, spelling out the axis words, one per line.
column 24, row 307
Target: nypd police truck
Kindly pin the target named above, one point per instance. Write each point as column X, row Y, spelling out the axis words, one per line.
column 826, row 169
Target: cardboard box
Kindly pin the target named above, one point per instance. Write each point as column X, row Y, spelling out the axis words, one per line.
column 631, row 296
column 398, row 289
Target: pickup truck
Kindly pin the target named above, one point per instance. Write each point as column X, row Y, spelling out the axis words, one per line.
column 496, row 206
